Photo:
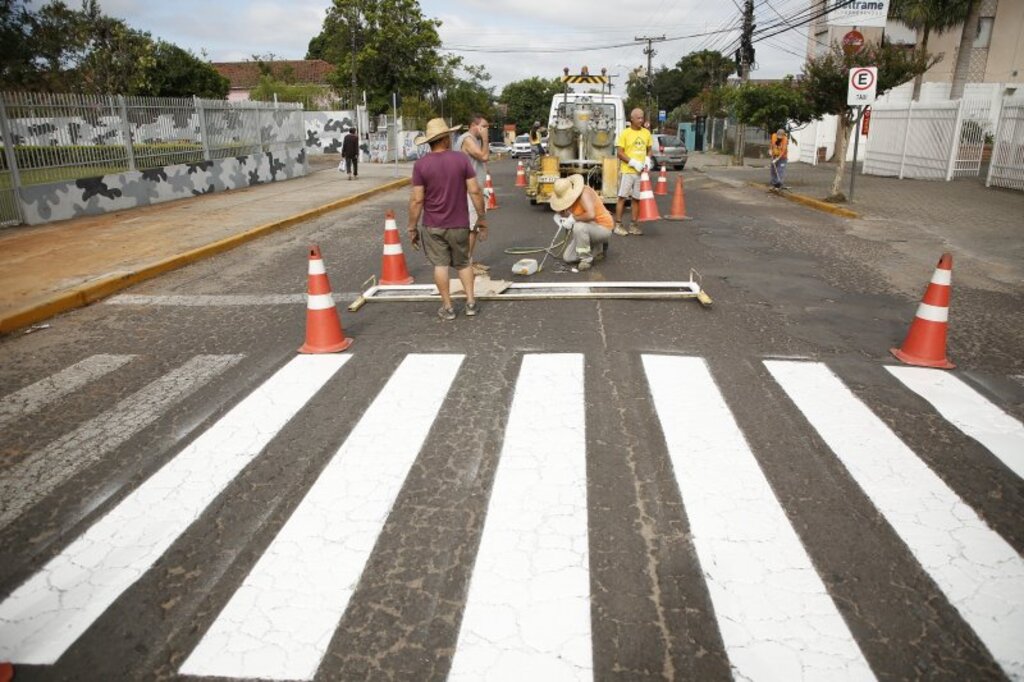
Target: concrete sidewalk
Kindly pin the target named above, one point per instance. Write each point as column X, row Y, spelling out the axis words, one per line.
column 47, row 269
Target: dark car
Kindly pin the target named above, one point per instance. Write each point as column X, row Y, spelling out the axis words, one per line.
column 668, row 150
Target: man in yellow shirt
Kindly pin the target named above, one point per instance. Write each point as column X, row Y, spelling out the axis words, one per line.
column 633, row 148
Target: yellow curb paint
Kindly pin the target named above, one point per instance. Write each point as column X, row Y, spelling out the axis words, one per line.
column 82, row 295
column 812, row 203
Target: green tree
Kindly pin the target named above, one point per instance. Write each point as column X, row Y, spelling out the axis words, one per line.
column 769, row 106
column 529, row 100
column 17, row 69
column 926, row 16
column 824, row 85
column 395, row 49
column 460, row 91
column 309, row 94
column 179, row 73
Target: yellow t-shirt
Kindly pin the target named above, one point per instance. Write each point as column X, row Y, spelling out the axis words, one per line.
column 635, row 144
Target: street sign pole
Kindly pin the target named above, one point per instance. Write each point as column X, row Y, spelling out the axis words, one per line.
column 856, row 145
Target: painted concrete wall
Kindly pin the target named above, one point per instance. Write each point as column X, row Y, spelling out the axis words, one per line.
column 118, row 191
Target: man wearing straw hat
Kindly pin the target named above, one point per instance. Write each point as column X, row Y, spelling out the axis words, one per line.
column 582, row 214
column 440, row 182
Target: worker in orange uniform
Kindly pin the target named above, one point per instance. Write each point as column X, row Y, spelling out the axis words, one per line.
column 779, row 151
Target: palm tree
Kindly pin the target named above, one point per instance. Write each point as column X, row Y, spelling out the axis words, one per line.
column 925, row 16
column 963, row 57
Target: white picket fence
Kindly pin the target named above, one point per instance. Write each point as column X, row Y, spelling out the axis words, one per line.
column 1006, row 168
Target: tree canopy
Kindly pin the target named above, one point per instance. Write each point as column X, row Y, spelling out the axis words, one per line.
column 529, row 100
column 59, row 49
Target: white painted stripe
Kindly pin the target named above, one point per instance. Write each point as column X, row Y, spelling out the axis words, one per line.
column 966, row 409
column 979, row 572
column 319, row 302
column 647, row 194
column 35, row 397
column 316, row 266
column 776, row 617
column 941, row 276
column 527, row 614
column 35, row 477
column 218, row 301
column 280, row 621
column 43, row 617
column 389, row 224
column 933, row 313
column 392, row 249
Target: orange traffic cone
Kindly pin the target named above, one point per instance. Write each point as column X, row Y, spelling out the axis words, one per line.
column 492, row 198
column 662, row 185
column 678, row 210
column 392, row 267
column 925, row 345
column 648, row 209
column 520, row 175
column 6, row 672
column 323, row 325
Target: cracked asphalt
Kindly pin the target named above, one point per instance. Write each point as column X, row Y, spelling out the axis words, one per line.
column 792, row 284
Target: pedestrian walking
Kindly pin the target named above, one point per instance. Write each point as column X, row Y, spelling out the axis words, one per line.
column 440, row 182
column 473, row 143
column 587, row 222
column 633, row 149
column 350, row 153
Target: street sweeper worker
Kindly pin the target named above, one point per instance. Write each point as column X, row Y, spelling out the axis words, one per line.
column 580, row 212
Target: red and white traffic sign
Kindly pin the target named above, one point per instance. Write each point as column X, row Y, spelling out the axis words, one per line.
column 863, row 85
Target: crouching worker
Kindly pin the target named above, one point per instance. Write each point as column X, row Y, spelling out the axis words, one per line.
column 582, row 214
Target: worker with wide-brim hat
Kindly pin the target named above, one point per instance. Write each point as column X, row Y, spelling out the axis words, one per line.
column 580, row 211
column 436, row 127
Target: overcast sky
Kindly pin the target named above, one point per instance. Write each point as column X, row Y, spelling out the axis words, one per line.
column 233, row 30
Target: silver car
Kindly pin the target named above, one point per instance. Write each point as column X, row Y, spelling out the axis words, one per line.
column 521, row 147
column 668, row 151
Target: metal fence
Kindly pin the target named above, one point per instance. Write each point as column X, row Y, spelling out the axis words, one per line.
column 1006, row 168
column 57, row 137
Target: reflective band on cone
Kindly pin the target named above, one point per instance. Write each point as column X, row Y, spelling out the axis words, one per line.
column 925, row 345
column 393, row 270
column 323, row 324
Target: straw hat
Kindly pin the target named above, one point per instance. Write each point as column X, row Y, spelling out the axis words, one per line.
column 436, row 127
column 566, row 192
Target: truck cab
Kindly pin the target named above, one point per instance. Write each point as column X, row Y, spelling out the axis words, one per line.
column 582, row 128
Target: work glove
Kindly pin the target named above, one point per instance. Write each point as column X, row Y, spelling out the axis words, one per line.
column 636, row 165
column 567, row 222
column 648, row 163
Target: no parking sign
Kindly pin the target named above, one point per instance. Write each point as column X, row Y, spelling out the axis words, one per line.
column 863, row 85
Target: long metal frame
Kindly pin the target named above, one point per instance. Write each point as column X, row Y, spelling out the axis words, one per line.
column 527, row 291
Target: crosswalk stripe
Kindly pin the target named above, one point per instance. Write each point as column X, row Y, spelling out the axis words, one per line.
column 968, row 411
column 776, row 617
column 981, row 575
column 39, row 474
column 527, row 615
column 278, row 624
column 45, row 615
column 35, row 397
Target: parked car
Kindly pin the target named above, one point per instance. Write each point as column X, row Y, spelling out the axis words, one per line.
column 668, row 151
column 521, row 147
column 498, row 148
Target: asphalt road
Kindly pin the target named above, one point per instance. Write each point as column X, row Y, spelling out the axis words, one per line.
column 552, row 490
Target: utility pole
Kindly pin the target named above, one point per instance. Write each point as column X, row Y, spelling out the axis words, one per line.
column 650, row 52
column 352, row 32
column 744, row 59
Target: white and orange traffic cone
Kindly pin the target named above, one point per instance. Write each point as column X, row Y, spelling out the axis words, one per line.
column 648, row 209
column 925, row 345
column 678, row 210
column 492, row 198
column 662, row 185
column 6, row 672
column 393, row 269
column 323, row 325
column 520, row 174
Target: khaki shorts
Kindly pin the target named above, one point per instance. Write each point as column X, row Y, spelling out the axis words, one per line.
column 629, row 185
column 447, row 246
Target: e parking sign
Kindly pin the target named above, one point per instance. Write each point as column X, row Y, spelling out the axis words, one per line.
column 862, row 86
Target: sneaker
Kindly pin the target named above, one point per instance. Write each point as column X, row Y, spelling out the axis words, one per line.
column 446, row 314
column 634, row 229
column 471, row 309
column 619, row 230
column 583, row 265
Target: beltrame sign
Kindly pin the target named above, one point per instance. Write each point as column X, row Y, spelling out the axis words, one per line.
column 860, row 13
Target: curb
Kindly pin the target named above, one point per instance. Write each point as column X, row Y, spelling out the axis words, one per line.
column 84, row 294
column 811, row 202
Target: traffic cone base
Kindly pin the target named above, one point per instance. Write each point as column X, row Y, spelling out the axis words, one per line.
column 648, row 209
column 323, row 325
column 678, row 210
column 393, row 270
column 925, row 344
